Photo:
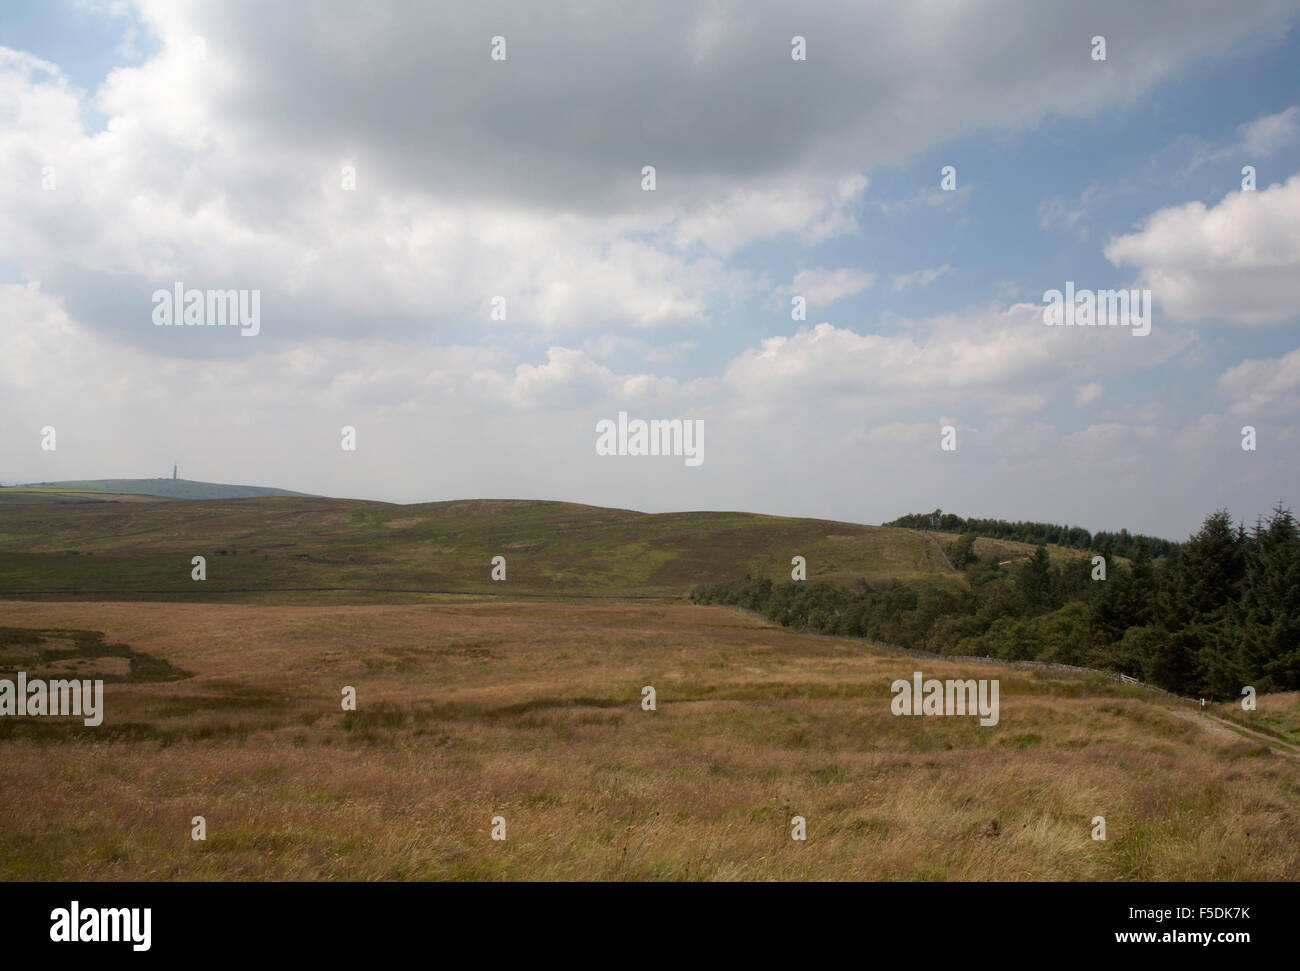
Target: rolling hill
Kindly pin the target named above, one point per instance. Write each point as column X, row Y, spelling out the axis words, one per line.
column 286, row 549
column 161, row 488
column 477, row 705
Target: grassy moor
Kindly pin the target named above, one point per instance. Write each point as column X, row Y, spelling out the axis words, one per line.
column 522, row 700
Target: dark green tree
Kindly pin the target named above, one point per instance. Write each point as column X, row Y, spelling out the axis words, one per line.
column 1263, row 640
column 1034, row 581
column 962, row 551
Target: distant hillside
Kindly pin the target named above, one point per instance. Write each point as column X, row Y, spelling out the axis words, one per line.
column 164, row 488
column 1122, row 543
column 1221, row 612
column 291, row 549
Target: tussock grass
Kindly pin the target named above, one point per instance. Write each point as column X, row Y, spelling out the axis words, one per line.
column 1277, row 715
column 468, row 710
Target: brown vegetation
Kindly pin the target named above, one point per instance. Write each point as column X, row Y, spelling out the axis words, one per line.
column 531, row 711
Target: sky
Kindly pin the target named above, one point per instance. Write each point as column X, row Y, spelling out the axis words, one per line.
column 445, row 217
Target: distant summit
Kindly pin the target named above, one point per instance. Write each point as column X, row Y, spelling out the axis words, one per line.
column 165, row 488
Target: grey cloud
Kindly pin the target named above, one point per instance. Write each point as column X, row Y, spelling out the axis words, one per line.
column 588, row 94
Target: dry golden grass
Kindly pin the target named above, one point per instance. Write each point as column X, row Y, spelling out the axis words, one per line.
column 531, row 711
column 1276, row 715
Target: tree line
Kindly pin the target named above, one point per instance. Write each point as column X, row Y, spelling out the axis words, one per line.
column 1214, row 614
column 1108, row 544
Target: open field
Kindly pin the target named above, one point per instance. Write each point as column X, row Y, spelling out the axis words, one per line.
column 468, row 709
column 284, row 550
column 311, row 550
column 522, row 699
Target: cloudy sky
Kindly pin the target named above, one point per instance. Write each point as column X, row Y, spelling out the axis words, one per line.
column 381, row 179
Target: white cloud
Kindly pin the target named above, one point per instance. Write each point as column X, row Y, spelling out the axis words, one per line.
column 1001, row 360
column 1264, row 136
column 1264, row 388
column 1058, row 211
column 822, row 287
column 1254, row 140
column 920, row 277
column 812, row 213
column 932, row 198
column 1087, row 394
column 824, row 422
column 1238, row 260
column 1072, row 214
column 226, row 168
column 608, row 345
column 521, row 179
